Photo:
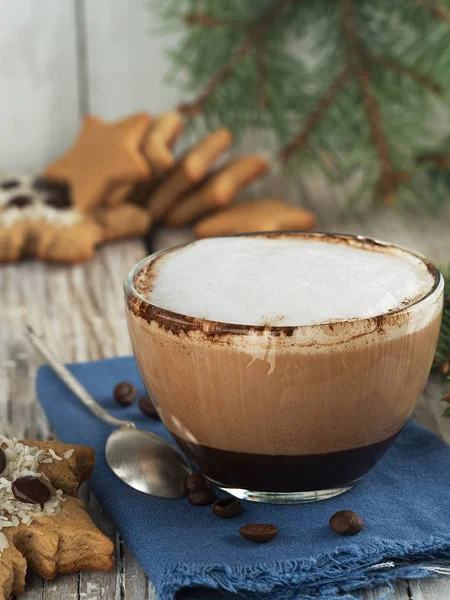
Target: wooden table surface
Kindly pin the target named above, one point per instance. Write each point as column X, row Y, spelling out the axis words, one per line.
column 80, row 312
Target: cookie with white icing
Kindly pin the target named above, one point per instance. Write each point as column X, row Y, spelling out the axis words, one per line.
column 40, row 522
column 38, row 218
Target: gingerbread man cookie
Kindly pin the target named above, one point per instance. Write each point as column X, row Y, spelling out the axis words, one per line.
column 190, row 171
column 265, row 214
column 157, row 147
column 37, row 217
column 219, row 189
column 40, row 524
column 123, row 221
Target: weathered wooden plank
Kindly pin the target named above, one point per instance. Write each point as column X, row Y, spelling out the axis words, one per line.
column 400, row 592
column 38, row 70
column 135, row 63
column 426, row 234
column 96, row 586
column 71, row 307
column 135, row 583
column 430, row 589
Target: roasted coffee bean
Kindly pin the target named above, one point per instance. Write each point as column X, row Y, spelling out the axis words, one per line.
column 31, row 490
column 226, row 507
column 148, row 408
column 195, row 479
column 201, row 495
column 259, row 532
column 20, row 201
column 9, row 184
column 125, row 393
column 346, row 522
column 60, row 201
column 2, row 460
column 47, row 185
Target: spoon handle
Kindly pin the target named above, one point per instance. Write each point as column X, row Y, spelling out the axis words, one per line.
column 72, row 382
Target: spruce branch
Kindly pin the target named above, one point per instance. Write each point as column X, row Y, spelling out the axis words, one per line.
column 361, row 63
column 441, row 161
column 393, row 65
column 388, row 177
column 254, row 36
column 206, row 20
column 355, row 81
column 437, row 10
column 301, row 140
column 261, row 57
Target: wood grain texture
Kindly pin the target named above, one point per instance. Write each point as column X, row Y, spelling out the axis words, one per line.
column 126, row 59
column 430, row 589
column 80, row 312
column 38, row 75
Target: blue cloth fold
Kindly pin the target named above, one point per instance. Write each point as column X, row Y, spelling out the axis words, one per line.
column 189, row 553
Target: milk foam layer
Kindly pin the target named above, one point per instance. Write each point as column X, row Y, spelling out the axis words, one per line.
column 285, row 281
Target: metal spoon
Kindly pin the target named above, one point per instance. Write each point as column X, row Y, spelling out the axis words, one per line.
column 143, row 460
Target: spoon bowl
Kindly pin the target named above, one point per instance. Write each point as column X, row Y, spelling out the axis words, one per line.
column 147, row 463
column 143, row 460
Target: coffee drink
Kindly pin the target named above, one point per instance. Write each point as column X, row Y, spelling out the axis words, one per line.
column 284, row 365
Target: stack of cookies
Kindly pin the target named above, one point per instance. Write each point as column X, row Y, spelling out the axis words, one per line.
column 119, row 179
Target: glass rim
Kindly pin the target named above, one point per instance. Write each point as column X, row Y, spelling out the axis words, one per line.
column 196, row 322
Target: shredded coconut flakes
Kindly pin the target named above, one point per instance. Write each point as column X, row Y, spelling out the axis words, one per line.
column 24, row 461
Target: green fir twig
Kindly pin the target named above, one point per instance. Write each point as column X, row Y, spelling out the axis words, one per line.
column 357, row 80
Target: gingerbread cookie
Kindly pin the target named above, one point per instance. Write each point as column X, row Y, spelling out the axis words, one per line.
column 123, row 221
column 118, row 193
column 157, row 147
column 220, row 189
column 103, row 153
column 37, row 217
column 67, row 474
column 191, row 170
column 39, row 523
column 265, row 214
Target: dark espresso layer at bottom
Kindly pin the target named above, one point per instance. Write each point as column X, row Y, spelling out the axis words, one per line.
column 284, row 473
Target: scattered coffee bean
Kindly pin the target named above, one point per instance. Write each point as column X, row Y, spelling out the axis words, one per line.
column 20, row 201
column 31, row 490
column 60, row 201
column 195, row 479
column 259, row 532
column 47, row 185
column 226, row 507
column 9, row 184
column 201, row 495
column 346, row 522
column 148, row 408
column 2, row 460
column 125, row 393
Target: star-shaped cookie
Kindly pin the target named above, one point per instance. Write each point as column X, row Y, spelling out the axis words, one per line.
column 60, row 536
column 103, row 154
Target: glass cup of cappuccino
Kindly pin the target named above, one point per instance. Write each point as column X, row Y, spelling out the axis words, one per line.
column 284, row 364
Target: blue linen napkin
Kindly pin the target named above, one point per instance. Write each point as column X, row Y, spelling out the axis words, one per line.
column 188, row 552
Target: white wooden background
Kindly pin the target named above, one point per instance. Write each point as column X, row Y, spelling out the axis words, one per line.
column 60, row 59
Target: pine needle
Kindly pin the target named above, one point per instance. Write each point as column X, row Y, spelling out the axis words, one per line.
column 343, row 78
